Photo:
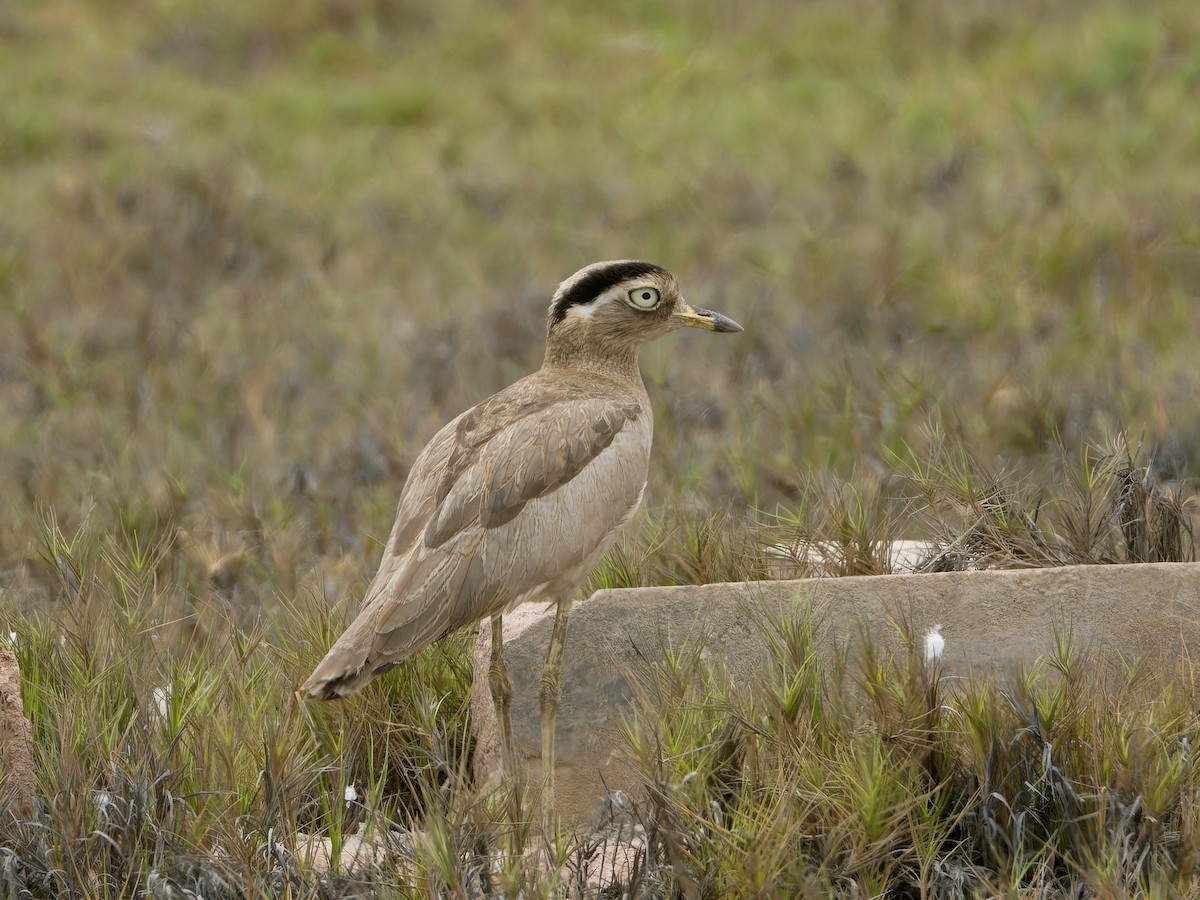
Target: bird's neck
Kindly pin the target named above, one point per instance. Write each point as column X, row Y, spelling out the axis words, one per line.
column 617, row 363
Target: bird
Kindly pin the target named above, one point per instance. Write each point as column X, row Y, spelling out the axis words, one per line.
column 518, row 498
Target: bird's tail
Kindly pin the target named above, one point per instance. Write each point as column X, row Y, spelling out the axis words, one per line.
column 373, row 644
column 346, row 667
column 329, row 681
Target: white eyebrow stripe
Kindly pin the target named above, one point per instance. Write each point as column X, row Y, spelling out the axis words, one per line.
column 583, row 310
column 588, row 310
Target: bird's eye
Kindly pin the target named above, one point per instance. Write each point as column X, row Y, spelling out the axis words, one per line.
column 644, row 297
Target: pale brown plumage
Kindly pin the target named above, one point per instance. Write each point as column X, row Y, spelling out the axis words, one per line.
column 519, row 497
column 467, row 544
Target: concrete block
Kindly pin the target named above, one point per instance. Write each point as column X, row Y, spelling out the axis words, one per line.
column 989, row 620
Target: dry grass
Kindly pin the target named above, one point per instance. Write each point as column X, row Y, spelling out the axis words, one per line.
column 1104, row 505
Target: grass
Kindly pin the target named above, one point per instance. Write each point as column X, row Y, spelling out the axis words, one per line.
column 1107, row 505
column 871, row 772
column 252, row 256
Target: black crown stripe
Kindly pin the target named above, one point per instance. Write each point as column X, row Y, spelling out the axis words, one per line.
column 597, row 282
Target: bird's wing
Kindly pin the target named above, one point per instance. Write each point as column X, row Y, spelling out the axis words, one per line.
column 481, row 520
column 497, row 469
column 490, row 478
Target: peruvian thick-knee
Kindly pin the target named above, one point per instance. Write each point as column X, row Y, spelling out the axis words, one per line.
column 517, row 498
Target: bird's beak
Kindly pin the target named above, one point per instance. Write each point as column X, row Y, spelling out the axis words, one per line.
column 686, row 314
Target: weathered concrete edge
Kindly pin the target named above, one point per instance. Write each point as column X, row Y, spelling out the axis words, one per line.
column 974, row 606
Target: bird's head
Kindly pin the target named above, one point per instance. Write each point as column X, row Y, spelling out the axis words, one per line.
column 614, row 308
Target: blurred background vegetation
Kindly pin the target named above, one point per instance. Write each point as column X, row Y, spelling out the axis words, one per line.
column 253, row 254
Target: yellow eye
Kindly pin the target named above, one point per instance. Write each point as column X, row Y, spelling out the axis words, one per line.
column 644, row 297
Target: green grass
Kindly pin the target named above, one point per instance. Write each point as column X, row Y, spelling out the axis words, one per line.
column 253, row 255
column 856, row 770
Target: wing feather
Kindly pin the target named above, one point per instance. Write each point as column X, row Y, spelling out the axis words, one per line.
column 531, row 458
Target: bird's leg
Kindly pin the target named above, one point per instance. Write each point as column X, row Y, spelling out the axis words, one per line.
column 514, row 772
column 551, row 689
column 501, row 689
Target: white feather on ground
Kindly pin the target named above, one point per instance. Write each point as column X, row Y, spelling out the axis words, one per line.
column 935, row 644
